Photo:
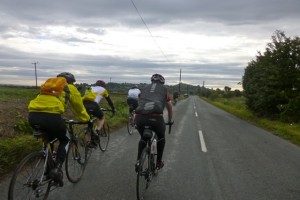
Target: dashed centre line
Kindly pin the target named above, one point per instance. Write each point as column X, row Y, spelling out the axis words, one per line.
column 202, row 142
column 201, row 138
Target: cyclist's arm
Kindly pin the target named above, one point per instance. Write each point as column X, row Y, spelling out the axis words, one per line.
column 170, row 111
column 110, row 103
column 77, row 104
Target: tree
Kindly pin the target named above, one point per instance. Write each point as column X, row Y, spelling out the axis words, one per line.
column 271, row 83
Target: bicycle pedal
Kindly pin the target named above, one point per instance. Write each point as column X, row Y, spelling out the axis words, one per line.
column 91, row 145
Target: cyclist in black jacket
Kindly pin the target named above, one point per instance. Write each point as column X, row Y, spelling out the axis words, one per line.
column 153, row 99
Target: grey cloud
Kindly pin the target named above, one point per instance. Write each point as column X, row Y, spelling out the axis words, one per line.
column 252, row 22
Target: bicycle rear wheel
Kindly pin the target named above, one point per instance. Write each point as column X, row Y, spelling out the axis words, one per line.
column 143, row 174
column 75, row 160
column 104, row 137
column 130, row 124
column 27, row 181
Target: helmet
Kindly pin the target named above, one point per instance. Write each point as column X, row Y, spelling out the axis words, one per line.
column 100, row 83
column 158, row 78
column 135, row 86
column 68, row 76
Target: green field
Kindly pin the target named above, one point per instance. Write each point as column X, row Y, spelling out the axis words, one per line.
column 16, row 139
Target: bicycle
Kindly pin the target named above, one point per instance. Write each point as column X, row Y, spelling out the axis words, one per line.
column 131, row 122
column 101, row 138
column 147, row 162
column 33, row 178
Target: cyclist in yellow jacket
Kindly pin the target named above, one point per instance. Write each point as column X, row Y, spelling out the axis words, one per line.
column 46, row 110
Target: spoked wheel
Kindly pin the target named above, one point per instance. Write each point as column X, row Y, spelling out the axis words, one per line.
column 28, row 181
column 130, row 124
column 76, row 160
column 143, row 175
column 104, row 137
column 83, row 134
column 153, row 158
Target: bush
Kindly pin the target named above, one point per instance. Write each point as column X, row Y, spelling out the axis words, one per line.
column 13, row 150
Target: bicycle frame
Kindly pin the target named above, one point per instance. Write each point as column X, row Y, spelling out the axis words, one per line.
column 34, row 176
column 48, row 150
column 147, row 162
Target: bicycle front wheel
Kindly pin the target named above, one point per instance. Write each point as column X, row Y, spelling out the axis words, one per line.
column 104, row 137
column 28, row 181
column 143, row 174
column 75, row 160
column 130, row 124
column 83, row 134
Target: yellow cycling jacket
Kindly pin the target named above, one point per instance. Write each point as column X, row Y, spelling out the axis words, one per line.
column 56, row 105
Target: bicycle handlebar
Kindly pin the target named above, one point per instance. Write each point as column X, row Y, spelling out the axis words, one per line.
column 170, row 125
column 72, row 121
column 109, row 110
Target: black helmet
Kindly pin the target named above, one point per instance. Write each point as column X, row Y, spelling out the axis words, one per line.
column 158, row 78
column 68, row 76
column 135, row 86
column 101, row 83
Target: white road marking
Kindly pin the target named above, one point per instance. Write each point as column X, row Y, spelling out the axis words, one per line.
column 203, row 146
column 196, row 114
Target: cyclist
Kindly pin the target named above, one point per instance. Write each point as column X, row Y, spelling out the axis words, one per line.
column 133, row 97
column 175, row 97
column 153, row 99
column 91, row 100
column 46, row 110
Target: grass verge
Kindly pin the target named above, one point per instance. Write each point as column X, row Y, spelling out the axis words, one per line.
column 237, row 107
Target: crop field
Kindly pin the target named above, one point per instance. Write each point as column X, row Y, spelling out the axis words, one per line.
column 13, row 110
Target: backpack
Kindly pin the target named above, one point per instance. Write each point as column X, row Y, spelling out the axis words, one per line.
column 53, row 86
column 89, row 95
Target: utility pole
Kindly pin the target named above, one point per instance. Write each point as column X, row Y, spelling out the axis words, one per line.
column 179, row 82
column 35, row 63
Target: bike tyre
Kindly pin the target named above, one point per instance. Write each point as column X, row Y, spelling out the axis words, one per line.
column 142, row 181
column 130, row 125
column 28, row 173
column 104, row 137
column 75, row 160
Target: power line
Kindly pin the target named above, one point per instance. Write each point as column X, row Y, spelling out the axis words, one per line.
column 148, row 30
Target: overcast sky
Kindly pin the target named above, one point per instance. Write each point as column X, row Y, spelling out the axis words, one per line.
column 211, row 41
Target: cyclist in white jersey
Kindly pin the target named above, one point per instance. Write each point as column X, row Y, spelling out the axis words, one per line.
column 133, row 97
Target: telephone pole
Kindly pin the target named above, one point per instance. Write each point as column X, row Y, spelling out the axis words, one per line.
column 35, row 63
column 179, row 82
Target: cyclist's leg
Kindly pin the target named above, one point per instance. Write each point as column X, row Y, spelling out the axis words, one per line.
column 140, row 122
column 159, row 128
column 100, row 115
column 129, row 103
column 135, row 105
column 59, row 131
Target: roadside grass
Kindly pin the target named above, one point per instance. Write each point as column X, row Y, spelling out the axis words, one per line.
column 12, row 150
column 7, row 93
column 237, row 107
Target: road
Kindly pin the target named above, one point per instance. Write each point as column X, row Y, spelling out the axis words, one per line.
column 209, row 155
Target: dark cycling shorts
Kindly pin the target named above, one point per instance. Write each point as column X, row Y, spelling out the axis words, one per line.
column 55, row 127
column 157, row 125
column 93, row 108
column 133, row 104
